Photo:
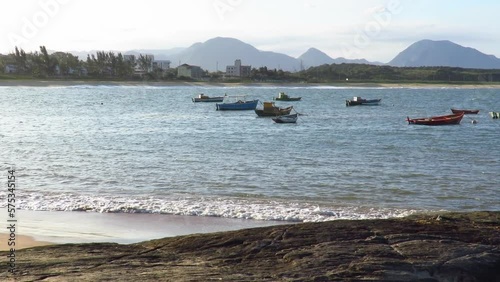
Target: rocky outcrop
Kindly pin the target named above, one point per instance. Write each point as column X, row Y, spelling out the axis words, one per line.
column 437, row 247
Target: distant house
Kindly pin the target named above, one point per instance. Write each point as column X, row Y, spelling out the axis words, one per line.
column 238, row 70
column 189, row 71
column 10, row 69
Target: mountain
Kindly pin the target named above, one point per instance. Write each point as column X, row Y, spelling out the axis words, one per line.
column 314, row 57
column 219, row 52
column 444, row 53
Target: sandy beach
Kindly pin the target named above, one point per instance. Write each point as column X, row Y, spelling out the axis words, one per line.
column 35, row 228
column 52, row 83
column 21, row 242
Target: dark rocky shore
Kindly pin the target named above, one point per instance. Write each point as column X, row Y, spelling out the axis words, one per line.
column 437, row 247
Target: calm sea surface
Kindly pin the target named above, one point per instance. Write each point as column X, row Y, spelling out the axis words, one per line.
column 151, row 150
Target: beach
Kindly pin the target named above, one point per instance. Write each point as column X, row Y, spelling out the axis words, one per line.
column 55, row 82
column 38, row 228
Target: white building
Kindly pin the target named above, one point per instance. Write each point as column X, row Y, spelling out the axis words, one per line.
column 162, row 65
column 238, row 69
column 186, row 70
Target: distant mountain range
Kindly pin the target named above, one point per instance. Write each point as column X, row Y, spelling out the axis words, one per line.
column 217, row 53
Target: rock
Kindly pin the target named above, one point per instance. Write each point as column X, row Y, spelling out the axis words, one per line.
column 457, row 247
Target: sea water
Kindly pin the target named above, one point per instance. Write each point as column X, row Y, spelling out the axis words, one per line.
column 144, row 149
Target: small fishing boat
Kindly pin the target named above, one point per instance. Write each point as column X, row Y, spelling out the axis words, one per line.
column 236, row 103
column 358, row 101
column 286, row 119
column 495, row 115
column 270, row 110
column 204, row 98
column 437, row 120
column 284, row 97
column 467, row 112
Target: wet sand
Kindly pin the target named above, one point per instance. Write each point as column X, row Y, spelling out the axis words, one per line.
column 89, row 227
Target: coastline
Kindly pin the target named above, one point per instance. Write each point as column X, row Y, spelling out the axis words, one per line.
column 62, row 83
column 36, row 228
column 430, row 247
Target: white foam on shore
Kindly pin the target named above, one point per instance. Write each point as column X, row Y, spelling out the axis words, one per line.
column 237, row 208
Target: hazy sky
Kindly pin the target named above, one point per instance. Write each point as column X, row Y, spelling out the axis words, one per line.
column 373, row 29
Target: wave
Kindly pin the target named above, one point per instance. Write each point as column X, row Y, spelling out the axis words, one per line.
column 256, row 209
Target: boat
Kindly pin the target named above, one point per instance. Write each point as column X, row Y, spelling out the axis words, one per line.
column 357, row 101
column 495, row 115
column 204, row 98
column 286, row 119
column 437, row 120
column 236, row 103
column 270, row 110
column 467, row 112
column 284, row 97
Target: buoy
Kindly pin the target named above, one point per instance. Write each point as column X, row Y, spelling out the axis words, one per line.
column 474, row 121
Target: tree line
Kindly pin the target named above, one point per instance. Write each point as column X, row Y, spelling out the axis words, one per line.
column 101, row 64
column 105, row 65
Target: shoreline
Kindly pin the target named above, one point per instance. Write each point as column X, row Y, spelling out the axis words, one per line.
column 56, row 83
column 442, row 246
column 61, row 227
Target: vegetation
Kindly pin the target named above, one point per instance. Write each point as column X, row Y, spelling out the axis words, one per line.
column 373, row 73
column 110, row 66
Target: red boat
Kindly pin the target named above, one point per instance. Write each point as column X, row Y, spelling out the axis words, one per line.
column 467, row 112
column 437, row 120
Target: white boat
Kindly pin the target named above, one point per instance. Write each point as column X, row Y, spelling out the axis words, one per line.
column 204, row 98
column 286, row 119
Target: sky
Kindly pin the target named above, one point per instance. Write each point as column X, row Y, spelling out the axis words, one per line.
column 376, row 30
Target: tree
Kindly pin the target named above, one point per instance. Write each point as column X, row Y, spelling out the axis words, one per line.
column 145, row 63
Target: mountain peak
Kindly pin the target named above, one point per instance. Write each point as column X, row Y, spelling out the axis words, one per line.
column 443, row 53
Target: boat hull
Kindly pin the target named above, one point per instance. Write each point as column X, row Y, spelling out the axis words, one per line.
column 237, row 106
column 286, row 119
column 211, row 99
column 273, row 112
column 288, row 99
column 495, row 115
column 372, row 102
column 467, row 112
column 437, row 120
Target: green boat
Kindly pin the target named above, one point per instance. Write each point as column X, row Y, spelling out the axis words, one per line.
column 284, row 97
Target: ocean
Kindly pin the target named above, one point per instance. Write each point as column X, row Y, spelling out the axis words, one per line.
column 146, row 149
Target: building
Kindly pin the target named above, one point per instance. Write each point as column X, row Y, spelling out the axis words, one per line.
column 238, row 69
column 10, row 69
column 162, row 65
column 186, row 70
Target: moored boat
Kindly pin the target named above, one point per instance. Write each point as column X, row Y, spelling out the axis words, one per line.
column 358, row 101
column 269, row 109
column 239, row 104
column 284, row 97
column 467, row 112
column 495, row 115
column 286, row 119
column 204, row 98
column 437, row 120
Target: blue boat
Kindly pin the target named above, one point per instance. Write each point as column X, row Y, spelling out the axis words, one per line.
column 239, row 105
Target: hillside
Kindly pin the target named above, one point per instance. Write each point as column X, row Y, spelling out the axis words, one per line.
column 444, row 53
